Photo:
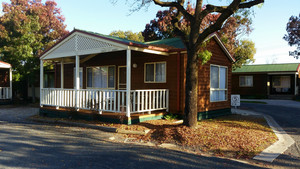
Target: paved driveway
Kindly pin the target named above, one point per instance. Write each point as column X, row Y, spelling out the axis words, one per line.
column 287, row 114
column 25, row 144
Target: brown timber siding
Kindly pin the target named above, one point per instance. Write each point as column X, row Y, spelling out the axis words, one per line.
column 218, row 58
column 137, row 74
column 259, row 88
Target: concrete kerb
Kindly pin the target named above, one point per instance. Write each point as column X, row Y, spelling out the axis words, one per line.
column 279, row 147
column 102, row 128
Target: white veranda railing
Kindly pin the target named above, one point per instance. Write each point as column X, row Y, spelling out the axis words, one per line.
column 106, row 100
column 5, row 93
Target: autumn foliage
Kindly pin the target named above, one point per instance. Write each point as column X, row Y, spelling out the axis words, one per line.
column 27, row 28
column 293, row 35
column 235, row 26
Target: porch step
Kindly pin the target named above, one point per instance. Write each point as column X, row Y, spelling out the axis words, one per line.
column 281, row 97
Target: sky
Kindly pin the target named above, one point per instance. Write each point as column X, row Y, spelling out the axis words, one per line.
column 269, row 22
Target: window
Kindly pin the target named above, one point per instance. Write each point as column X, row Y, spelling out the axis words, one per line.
column 80, row 78
column 155, row 72
column 101, row 77
column 282, row 81
column 246, row 81
column 218, row 83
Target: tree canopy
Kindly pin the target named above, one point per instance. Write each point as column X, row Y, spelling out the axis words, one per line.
column 232, row 30
column 28, row 27
column 293, row 35
column 128, row 35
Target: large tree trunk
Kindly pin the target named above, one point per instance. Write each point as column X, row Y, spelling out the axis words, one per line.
column 191, row 89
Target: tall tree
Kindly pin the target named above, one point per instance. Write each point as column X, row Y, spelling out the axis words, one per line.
column 28, row 27
column 232, row 30
column 293, row 35
column 128, row 35
column 244, row 53
column 194, row 36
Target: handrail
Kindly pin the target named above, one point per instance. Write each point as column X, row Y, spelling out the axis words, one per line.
column 107, row 100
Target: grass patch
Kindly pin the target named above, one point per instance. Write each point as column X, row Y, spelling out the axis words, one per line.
column 248, row 101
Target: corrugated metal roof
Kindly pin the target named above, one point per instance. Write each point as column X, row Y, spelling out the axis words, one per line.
column 113, row 37
column 285, row 67
column 173, row 42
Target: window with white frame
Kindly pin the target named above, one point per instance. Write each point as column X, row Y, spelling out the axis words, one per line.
column 80, row 77
column 155, row 72
column 246, row 81
column 218, row 83
column 101, row 77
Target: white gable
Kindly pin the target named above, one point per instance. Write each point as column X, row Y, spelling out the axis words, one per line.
column 4, row 65
column 82, row 44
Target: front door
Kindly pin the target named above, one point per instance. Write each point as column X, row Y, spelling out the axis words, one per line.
column 122, row 77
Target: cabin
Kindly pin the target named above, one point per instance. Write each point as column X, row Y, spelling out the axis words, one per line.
column 272, row 81
column 124, row 81
column 5, row 83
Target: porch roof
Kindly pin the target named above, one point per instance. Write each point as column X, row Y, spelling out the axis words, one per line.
column 285, row 67
column 4, row 65
column 79, row 42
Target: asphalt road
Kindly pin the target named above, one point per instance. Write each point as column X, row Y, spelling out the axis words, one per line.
column 25, row 144
column 287, row 114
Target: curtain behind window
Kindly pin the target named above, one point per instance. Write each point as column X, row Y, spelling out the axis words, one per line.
column 160, row 74
column 149, row 72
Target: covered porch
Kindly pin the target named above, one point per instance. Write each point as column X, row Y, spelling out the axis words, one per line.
column 5, row 82
column 91, row 81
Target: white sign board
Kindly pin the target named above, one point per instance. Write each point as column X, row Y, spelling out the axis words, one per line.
column 235, row 100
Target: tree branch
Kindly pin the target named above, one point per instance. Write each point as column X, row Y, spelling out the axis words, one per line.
column 178, row 5
column 226, row 12
column 212, row 8
column 250, row 4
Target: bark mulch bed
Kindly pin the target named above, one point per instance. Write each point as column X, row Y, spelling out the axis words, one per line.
column 234, row 136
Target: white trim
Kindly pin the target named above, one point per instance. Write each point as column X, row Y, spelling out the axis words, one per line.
column 128, row 81
column 10, row 82
column 62, row 73
column 41, row 81
column 5, row 65
column 218, row 89
column 80, row 79
column 115, row 46
column 77, row 62
column 154, row 63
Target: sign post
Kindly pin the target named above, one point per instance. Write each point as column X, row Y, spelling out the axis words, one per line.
column 235, row 100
